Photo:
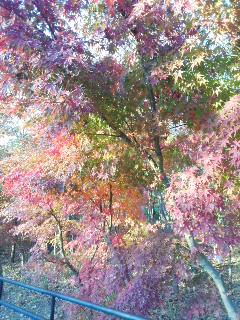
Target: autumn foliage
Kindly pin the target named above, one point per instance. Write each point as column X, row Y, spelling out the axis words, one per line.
column 129, row 177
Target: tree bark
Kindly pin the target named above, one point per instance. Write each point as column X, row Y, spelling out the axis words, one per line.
column 62, row 249
column 230, row 269
column 13, row 252
column 111, row 207
column 217, row 279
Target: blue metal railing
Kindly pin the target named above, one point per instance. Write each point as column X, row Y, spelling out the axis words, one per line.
column 54, row 296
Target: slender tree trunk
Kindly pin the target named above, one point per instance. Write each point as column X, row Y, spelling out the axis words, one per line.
column 1, row 268
column 175, row 286
column 22, row 258
column 1, row 274
column 217, row 279
column 110, row 207
column 1, row 282
column 63, row 253
column 55, row 245
column 230, row 269
column 61, row 244
column 118, row 258
column 13, row 252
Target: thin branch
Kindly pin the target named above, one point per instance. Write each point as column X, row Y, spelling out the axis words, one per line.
column 104, row 134
column 45, row 19
column 122, row 135
column 178, row 125
column 134, row 143
column 94, row 254
column 62, row 249
column 110, row 206
column 153, row 104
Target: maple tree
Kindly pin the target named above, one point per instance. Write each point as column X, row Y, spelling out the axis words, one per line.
column 125, row 102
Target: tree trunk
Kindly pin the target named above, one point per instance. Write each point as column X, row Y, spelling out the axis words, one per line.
column 217, row 279
column 61, row 244
column 1, row 261
column 230, row 269
column 22, row 258
column 13, row 252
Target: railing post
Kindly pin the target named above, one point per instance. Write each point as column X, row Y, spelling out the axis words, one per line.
column 53, row 302
column 1, row 289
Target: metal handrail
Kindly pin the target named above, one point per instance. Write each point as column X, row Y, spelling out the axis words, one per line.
column 54, row 296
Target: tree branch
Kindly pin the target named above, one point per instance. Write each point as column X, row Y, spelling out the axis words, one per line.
column 62, row 249
column 45, row 19
column 110, row 206
column 133, row 143
column 104, row 134
column 216, row 277
column 152, row 100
